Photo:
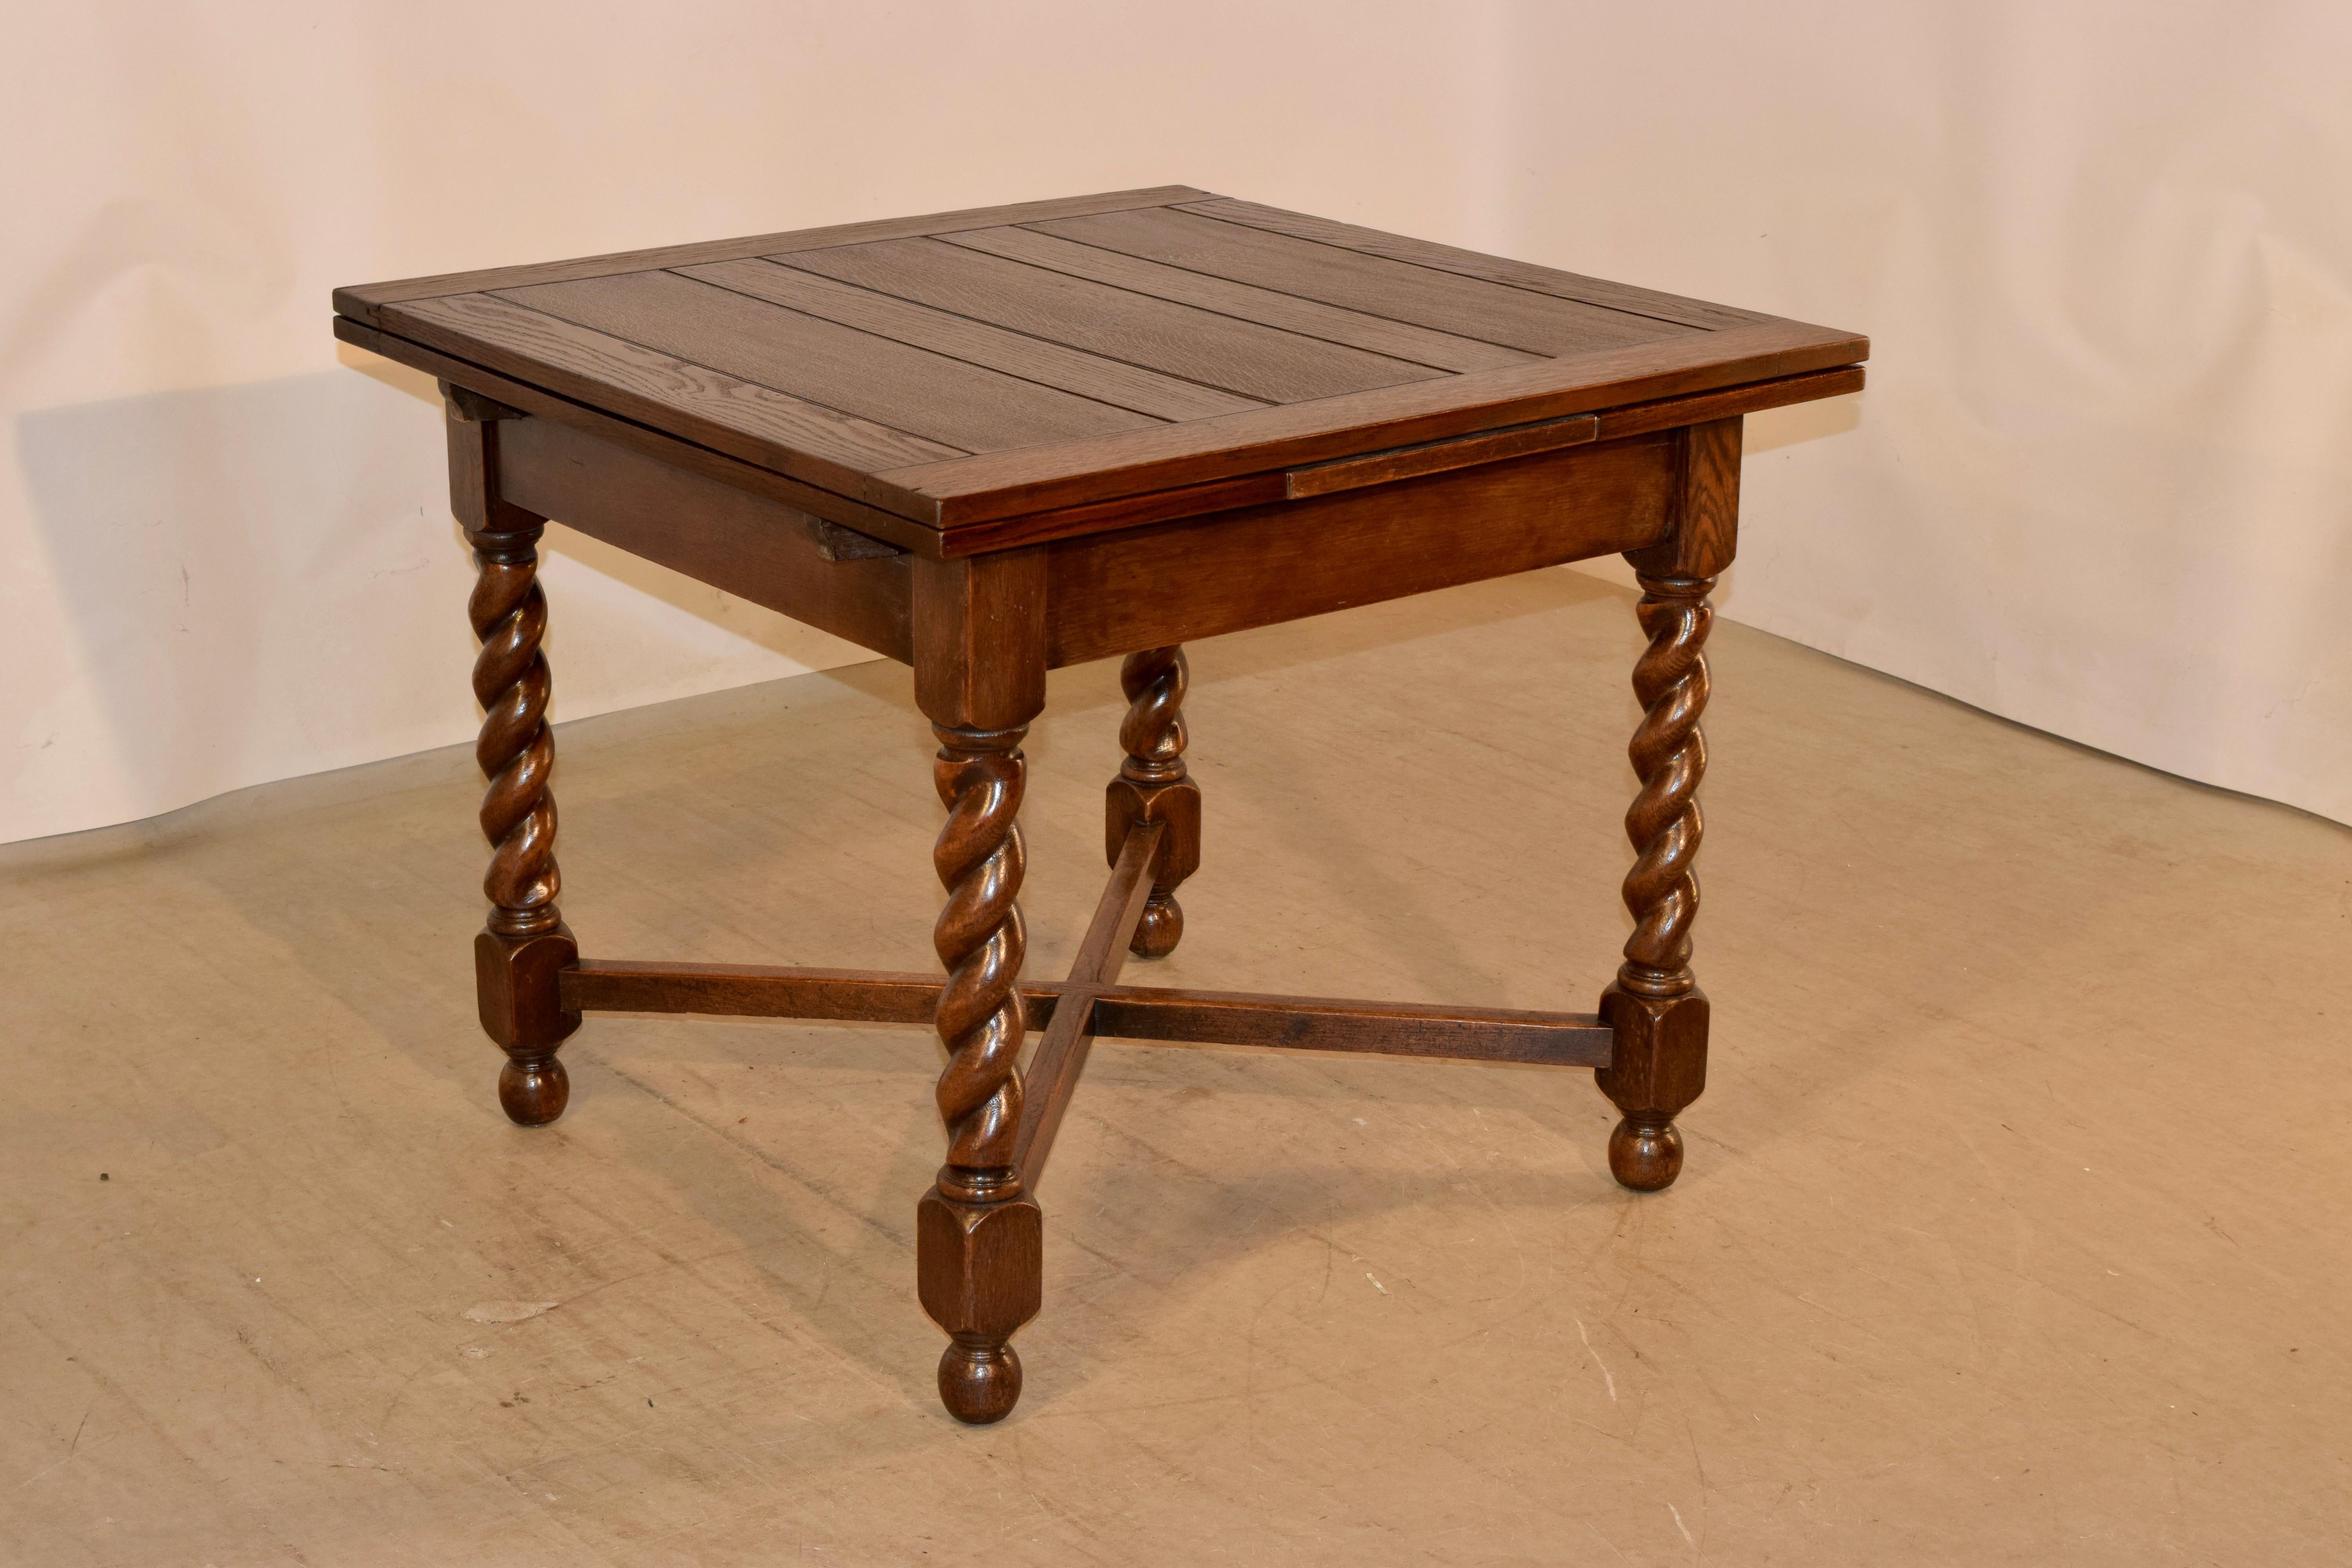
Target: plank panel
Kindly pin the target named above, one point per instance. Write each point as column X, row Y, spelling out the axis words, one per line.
column 976, row 343
column 1258, row 488
column 788, row 434
column 1216, row 351
column 362, row 301
column 1474, row 264
column 907, row 388
column 1004, row 485
column 1309, row 317
column 1468, row 307
column 898, row 527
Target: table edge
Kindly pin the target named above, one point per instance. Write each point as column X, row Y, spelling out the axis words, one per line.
column 997, row 485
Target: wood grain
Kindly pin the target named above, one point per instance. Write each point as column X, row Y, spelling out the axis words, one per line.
column 974, row 489
column 1377, row 285
column 1704, row 531
column 1308, row 318
column 1155, row 786
column 1179, row 582
column 660, row 445
column 1144, row 1013
column 362, row 301
column 753, row 547
column 980, row 639
column 753, row 991
column 1437, row 456
column 1052, row 1076
column 1255, row 490
column 1474, row 264
column 893, row 383
column 1373, row 1029
column 1665, row 414
column 1176, row 339
column 976, row 343
column 755, row 423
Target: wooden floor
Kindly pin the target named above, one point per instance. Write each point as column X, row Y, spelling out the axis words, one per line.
column 2016, row 1228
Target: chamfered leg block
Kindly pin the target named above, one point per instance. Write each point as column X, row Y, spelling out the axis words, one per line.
column 1153, row 786
column 524, row 946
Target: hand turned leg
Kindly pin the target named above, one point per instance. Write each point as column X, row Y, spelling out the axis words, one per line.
column 517, row 956
column 980, row 1252
column 1153, row 786
column 1655, row 1006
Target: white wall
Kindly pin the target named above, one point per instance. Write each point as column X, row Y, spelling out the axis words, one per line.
column 2105, row 252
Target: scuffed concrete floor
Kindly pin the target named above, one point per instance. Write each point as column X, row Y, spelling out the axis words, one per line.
column 2016, row 1228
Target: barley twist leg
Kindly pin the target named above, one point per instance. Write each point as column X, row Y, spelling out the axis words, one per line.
column 987, row 1237
column 1669, row 756
column 516, row 750
column 524, row 941
column 1153, row 786
column 1655, row 1004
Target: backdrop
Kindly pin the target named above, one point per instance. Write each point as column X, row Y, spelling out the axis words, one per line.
column 2098, row 484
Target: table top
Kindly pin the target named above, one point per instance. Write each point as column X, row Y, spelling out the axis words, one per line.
column 973, row 367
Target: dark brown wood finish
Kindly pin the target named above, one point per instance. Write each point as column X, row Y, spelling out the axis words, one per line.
column 760, row 549
column 935, row 396
column 1259, row 362
column 1253, row 489
column 980, row 678
column 1267, row 307
column 1106, row 380
column 362, row 301
column 1061, row 1054
column 1469, row 264
column 1154, row 786
column 1143, row 1015
column 1143, row 330
column 992, row 441
column 1447, row 301
column 525, row 945
column 993, row 485
column 659, row 388
column 631, row 437
column 1436, row 458
column 1179, row 582
column 1654, row 1004
column 1161, row 1017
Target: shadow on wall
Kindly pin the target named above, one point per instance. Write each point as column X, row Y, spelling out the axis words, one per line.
column 265, row 581
column 225, row 555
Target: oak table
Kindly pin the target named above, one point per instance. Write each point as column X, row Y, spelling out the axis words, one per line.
column 990, row 443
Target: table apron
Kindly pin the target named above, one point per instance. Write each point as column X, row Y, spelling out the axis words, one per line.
column 750, row 545
column 1179, row 582
column 1111, row 593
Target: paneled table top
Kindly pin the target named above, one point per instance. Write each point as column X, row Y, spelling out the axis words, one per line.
column 973, row 380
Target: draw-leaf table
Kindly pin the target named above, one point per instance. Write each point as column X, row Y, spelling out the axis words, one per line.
column 990, row 443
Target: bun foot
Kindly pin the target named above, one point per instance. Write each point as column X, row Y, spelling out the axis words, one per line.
column 980, row 1380
column 533, row 1093
column 1645, row 1155
column 1162, row 926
